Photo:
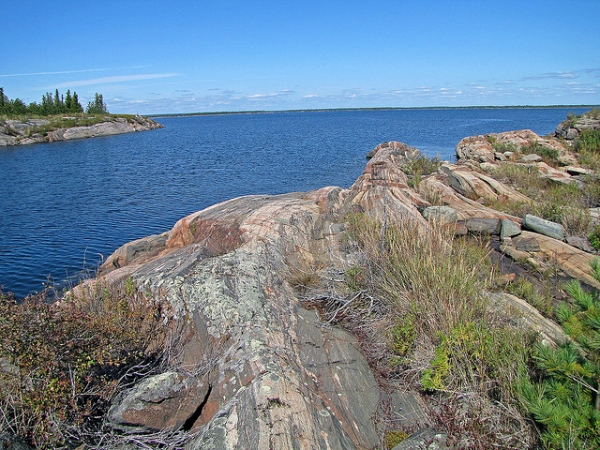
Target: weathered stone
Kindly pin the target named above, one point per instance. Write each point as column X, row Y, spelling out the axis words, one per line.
column 488, row 167
column 545, row 227
column 473, row 184
column 440, row 214
column 483, row 226
column 580, row 243
column 509, row 228
column 529, row 316
column 526, row 244
column 531, row 158
column 162, row 402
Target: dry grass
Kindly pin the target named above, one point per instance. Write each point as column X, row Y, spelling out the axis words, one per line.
column 443, row 338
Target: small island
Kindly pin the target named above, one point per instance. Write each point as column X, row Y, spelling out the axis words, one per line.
column 60, row 118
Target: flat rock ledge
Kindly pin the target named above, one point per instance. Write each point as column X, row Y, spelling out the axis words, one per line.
column 258, row 369
column 16, row 132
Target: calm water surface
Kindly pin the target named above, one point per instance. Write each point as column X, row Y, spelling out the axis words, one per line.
column 64, row 206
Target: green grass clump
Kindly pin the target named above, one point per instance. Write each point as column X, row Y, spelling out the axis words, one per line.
column 524, row 289
column 549, row 155
column 419, row 167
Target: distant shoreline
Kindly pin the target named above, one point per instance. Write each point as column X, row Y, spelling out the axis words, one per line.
column 401, row 108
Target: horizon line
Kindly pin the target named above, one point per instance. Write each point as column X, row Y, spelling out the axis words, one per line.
column 380, row 108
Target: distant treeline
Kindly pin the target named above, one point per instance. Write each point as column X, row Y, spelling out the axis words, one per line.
column 50, row 105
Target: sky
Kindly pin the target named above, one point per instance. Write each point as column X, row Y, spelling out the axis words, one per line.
column 180, row 56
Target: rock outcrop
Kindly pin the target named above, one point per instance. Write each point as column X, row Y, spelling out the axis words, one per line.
column 258, row 368
column 269, row 373
column 32, row 131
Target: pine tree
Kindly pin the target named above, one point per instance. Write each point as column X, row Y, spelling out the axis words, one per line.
column 97, row 106
column 76, row 105
column 69, row 101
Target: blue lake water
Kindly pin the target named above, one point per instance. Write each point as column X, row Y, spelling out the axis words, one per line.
column 64, row 206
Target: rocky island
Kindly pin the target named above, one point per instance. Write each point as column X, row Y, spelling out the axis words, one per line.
column 294, row 332
column 32, row 131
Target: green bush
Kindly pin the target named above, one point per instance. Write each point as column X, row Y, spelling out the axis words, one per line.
column 549, row 155
column 420, row 166
column 588, row 141
column 562, row 396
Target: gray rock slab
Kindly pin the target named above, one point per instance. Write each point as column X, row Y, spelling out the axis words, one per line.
column 532, row 158
column 526, row 244
column 508, row 228
column 483, row 226
column 580, row 243
column 545, row 227
column 440, row 214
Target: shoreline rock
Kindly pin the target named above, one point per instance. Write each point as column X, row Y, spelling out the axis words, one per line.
column 16, row 132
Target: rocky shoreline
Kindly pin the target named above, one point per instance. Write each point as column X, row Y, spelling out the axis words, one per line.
column 33, row 131
column 260, row 366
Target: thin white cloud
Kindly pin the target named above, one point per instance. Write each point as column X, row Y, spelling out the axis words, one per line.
column 50, row 73
column 116, row 79
column 65, row 72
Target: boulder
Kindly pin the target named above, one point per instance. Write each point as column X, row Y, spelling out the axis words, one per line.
column 483, row 226
column 440, row 214
column 580, row 243
column 162, row 402
column 509, row 228
column 545, row 227
column 473, row 185
column 531, row 158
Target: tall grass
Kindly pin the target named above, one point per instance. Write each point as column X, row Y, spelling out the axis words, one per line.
column 446, row 336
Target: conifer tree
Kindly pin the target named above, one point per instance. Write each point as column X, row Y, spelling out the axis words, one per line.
column 69, row 101
column 97, row 106
column 76, row 106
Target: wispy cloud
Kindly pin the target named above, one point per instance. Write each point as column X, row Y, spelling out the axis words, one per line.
column 281, row 93
column 552, row 76
column 65, row 72
column 116, row 79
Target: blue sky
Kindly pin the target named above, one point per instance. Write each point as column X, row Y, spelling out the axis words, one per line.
column 156, row 57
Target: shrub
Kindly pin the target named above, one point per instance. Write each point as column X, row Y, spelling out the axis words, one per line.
column 563, row 396
column 420, row 166
column 64, row 362
column 549, row 155
column 588, row 141
column 524, row 289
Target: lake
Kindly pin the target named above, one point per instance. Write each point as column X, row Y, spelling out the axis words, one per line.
column 65, row 206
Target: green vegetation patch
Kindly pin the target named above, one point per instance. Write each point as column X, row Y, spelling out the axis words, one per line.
column 63, row 363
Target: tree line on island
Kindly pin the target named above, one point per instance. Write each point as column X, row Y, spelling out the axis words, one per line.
column 51, row 105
